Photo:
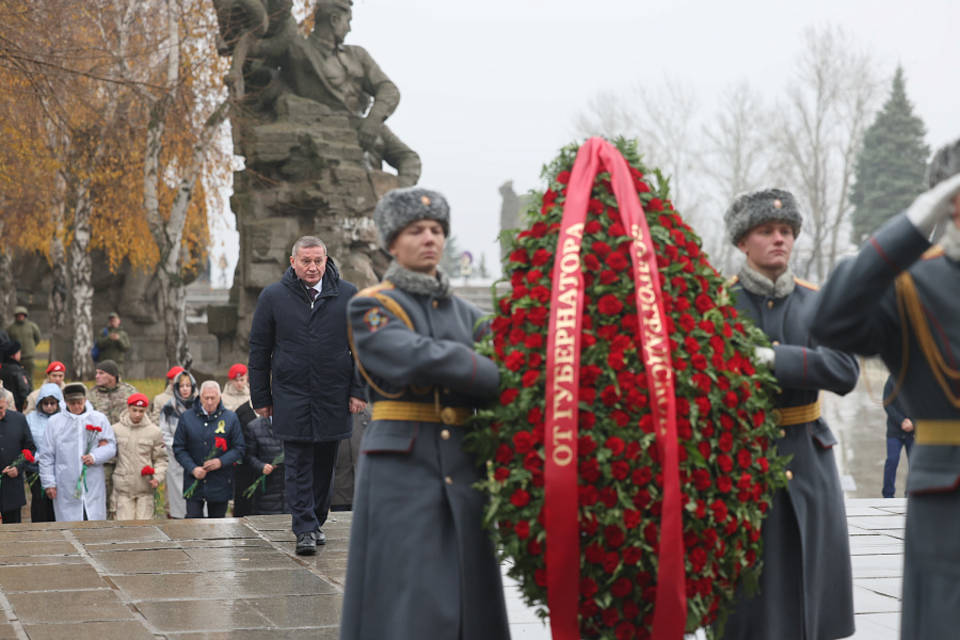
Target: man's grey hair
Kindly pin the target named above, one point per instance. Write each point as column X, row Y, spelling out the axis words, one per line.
column 210, row 384
column 307, row 242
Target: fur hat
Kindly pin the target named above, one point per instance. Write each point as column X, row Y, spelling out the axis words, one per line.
column 73, row 390
column 400, row 207
column 137, row 400
column 238, row 369
column 752, row 209
column 56, row 365
column 945, row 163
column 109, row 366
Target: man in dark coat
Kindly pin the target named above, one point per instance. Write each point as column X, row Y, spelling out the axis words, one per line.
column 301, row 373
column 207, row 443
column 14, row 376
column 900, row 430
column 14, row 438
column 420, row 564
column 893, row 301
column 806, row 588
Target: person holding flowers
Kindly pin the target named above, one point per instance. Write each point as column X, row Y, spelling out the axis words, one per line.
column 16, row 450
column 417, row 518
column 183, row 400
column 264, row 455
column 207, row 443
column 76, row 444
column 49, row 402
column 806, row 588
column 139, row 445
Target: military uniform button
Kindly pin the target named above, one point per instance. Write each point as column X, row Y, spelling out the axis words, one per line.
column 770, row 304
column 448, row 480
column 445, row 434
column 448, row 415
column 789, row 474
column 783, row 433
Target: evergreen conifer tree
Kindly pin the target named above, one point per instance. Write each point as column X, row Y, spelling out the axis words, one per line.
column 891, row 164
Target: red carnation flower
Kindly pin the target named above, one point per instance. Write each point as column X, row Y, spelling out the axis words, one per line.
column 520, row 498
column 540, row 257
column 522, row 529
column 515, row 361
column 563, row 177
column 147, row 471
column 523, row 442
column 609, row 305
column 530, row 378
column 220, row 443
column 508, row 396
column 519, row 256
column 744, row 459
column 94, row 428
column 501, row 474
column 614, row 536
column 28, row 455
column 617, row 261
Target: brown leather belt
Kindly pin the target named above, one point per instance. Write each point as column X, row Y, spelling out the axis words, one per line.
column 788, row 416
column 938, row 432
column 420, row 412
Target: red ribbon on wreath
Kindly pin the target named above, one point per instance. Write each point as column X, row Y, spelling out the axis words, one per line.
column 563, row 373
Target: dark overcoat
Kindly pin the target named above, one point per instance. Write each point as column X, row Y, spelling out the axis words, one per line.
column 14, row 438
column 193, row 441
column 858, row 311
column 263, row 447
column 806, row 588
column 300, row 359
column 420, row 563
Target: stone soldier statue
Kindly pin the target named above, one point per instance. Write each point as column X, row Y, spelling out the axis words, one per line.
column 893, row 301
column 320, row 67
column 417, row 518
column 806, row 589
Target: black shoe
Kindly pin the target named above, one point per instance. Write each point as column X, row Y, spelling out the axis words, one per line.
column 306, row 543
column 321, row 537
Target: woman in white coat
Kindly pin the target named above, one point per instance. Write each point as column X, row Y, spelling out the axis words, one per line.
column 184, row 395
column 77, row 438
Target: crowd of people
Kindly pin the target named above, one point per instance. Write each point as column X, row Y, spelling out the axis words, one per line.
column 110, row 452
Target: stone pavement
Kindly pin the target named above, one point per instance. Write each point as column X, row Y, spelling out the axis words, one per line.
column 239, row 578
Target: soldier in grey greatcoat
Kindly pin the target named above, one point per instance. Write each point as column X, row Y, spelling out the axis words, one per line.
column 892, row 301
column 420, row 563
column 806, row 589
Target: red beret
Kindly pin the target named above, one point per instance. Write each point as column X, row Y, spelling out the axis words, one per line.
column 56, row 365
column 237, row 370
column 174, row 372
column 138, row 400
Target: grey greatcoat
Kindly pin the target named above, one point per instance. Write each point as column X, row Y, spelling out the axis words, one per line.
column 806, row 589
column 420, row 564
column 858, row 311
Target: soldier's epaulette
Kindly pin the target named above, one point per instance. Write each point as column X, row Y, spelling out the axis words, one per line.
column 386, row 285
column 731, row 281
column 806, row 284
column 933, row 252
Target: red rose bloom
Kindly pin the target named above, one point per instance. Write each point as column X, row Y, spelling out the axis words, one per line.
column 617, row 261
column 540, row 257
column 522, row 529
column 530, row 378
column 508, row 396
column 609, row 305
column 520, row 498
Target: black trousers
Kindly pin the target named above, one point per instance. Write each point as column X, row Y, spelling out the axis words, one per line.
column 41, row 507
column 11, row 517
column 214, row 509
column 308, row 482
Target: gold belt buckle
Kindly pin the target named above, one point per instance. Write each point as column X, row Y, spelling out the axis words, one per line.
column 448, row 416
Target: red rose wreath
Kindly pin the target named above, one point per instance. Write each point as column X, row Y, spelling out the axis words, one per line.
column 720, row 461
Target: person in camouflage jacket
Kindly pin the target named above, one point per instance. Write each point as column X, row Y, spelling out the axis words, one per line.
column 109, row 397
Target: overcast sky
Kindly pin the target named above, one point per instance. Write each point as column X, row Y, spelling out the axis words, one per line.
column 490, row 90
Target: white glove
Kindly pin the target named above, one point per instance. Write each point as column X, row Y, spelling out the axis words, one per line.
column 764, row 356
column 934, row 206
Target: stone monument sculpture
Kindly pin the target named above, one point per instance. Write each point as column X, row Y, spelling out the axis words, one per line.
column 308, row 118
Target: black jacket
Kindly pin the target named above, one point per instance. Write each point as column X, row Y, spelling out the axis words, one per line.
column 300, row 359
column 896, row 413
column 16, row 381
column 263, row 447
column 14, row 438
column 195, row 437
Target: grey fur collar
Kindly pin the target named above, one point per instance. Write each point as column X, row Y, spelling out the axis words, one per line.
column 421, row 283
column 759, row 284
column 951, row 242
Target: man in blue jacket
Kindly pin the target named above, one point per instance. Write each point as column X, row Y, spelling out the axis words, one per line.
column 207, row 443
column 301, row 373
